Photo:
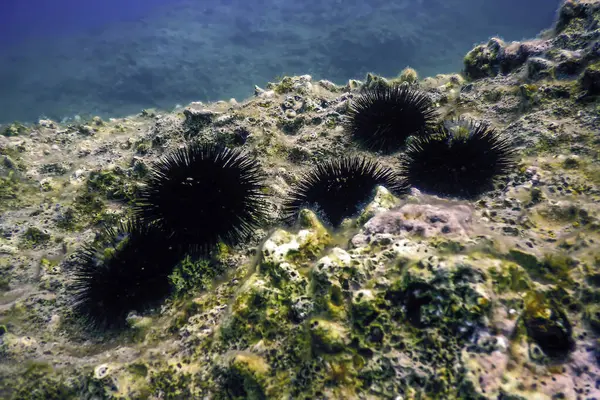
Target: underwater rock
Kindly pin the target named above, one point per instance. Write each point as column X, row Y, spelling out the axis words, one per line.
column 283, row 246
column 568, row 63
column 497, row 56
column 332, row 87
column 14, row 129
column 408, row 75
column 383, row 201
column 364, row 307
column 301, row 308
column 539, row 68
column 573, row 10
column 590, row 81
column 196, row 119
column 418, row 304
column 547, row 325
column 299, row 84
column 327, row 268
column 425, row 220
column 244, row 376
column 482, row 61
column 374, row 81
column 87, row 130
column 353, row 84
column 327, row 336
column 449, row 294
column 8, row 163
column 47, row 123
column 592, row 316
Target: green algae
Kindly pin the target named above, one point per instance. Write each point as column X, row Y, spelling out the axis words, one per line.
column 427, row 297
column 138, row 369
column 190, row 275
column 480, row 63
column 286, row 85
column 510, row 277
column 327, row 336
column 408, row 75
column 257, row 313
column 113, row 185
column 245, row 377
column 14, row 129
column 14, row 192
column 547, row 325
column 171, row 384
column 9, row 188
column 39, row 381
column 592, row 316
column 88, row 209
column 34, row 237
column 143, row 147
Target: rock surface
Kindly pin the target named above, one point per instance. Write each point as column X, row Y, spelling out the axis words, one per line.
column 412, row 298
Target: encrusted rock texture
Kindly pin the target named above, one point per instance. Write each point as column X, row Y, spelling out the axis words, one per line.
column 417, row 297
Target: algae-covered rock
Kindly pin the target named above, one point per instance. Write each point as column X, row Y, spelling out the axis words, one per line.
column 256, row 313
column 590, row 80
column 14, row 129
column 364, row 307
column 374, row 81
column 447, row 294
column 420, row 298
column 548, row 326
column 592, row 316
column 576, row 15
column 482, row 61
column 408, row 75
column 383, row 201
column 539, row 68
column 40, row 381
column 299, row 248
column 244, row 376
column 327, row 336
column 510, row 277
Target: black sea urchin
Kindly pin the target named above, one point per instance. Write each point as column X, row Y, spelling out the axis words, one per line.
column 461, row 158
column 382, row 118
column 126, row 270
column 339, row 187
column 203, row 194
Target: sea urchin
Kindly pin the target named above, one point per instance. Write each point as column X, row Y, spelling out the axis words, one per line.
column 126, row 270
column 338, row 188
column 461, row 158
column 203, row 194
column 383, row 117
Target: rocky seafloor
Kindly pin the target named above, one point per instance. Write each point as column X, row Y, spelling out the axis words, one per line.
column 417, row 297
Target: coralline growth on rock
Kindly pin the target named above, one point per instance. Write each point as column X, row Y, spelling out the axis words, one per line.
column 384, row 116
column 337, row 188
column 127, row 270
column 204, row 194
column 461, row 158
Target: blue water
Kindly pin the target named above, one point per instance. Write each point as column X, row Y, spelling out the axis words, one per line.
column 114, row 57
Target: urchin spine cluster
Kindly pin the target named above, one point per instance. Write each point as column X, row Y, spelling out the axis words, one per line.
column 203, row 194
column 125, row 271
column 195, row 197
column 337, row 188
column 461, row 158
column 383, row 117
